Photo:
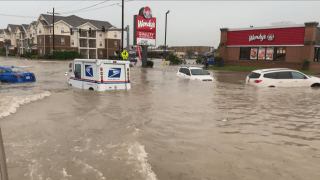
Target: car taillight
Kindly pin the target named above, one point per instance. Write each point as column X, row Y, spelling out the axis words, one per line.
column 18, row 76
column 257, row 81
column 33, row 75
column 114, row 61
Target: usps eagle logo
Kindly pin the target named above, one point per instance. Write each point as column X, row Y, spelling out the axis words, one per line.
column 270, row 37
column 147, row 13
column 89, row 71
column 114, row 73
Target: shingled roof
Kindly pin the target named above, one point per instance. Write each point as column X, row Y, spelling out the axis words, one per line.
column 25, row 26
column 34, row 22
column 21, row 28
column 13, row 27
column 43, row 22
column 76, row 21
column 7, row 31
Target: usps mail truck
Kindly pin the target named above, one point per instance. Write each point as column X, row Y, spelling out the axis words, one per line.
column 100, row 75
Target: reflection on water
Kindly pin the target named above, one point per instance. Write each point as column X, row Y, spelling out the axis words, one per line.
column 165, row 127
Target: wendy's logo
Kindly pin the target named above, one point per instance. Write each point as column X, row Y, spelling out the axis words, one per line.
column 147, row 13
column 270, row 37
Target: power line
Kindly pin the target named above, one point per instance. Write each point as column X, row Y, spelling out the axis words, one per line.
column 96, row 8
column 17, row 16
column 84, row 8
column 70, row 4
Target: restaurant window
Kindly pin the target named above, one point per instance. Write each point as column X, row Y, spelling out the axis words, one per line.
column 245, row 53
column 316, row 54
column 280, row 54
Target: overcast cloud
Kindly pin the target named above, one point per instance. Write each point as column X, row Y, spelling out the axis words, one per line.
column 190, row 23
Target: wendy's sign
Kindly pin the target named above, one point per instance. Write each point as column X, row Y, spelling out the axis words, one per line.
column 274, row 36
column 144, row 28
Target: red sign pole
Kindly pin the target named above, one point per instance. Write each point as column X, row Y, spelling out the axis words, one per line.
column 139, row 52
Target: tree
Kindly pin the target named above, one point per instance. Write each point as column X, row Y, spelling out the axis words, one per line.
column 189, row 53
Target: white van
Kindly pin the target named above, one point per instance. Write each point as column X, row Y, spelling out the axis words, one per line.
column 100, row 75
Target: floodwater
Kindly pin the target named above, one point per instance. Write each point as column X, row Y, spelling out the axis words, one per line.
column 165, row 127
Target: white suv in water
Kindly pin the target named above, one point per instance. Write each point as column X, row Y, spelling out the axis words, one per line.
column 281, row 77
column 194, row 73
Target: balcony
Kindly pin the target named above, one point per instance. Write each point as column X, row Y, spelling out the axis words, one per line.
column 92, row 34
column 83, row 43
column 83, row 34
column 92, row 43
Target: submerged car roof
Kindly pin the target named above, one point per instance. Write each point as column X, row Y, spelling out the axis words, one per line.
column 192, row 67
column 272, row 70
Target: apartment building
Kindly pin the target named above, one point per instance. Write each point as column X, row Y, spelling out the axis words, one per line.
column 38, row 36
column 96, row 44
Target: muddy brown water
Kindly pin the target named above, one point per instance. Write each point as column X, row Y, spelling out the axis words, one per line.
column 165, row 127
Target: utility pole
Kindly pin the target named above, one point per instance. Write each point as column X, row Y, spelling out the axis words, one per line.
column 122, row 27
column 128, row 46
column 52, row 31
column 165, row 37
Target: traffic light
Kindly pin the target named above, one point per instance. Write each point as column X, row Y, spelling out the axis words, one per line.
column 79, row 31
column 103, row 29
column 90, row 30
column 71, row 33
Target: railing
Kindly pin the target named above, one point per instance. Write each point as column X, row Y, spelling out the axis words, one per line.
column 83, row 34
column 92, row 35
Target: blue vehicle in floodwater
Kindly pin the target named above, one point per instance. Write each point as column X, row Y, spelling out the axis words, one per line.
column 14, row 74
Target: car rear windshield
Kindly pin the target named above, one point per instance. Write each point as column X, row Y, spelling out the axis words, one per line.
column 254, row 75
column 198, row 72
column 17, row 70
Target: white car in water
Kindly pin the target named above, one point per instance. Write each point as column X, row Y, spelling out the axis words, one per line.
column 194, row 73
column 281, row 77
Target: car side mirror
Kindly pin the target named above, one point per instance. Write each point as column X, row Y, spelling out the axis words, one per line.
column 70, row 65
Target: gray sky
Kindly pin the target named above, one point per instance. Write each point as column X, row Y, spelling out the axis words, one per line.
column 190, row 23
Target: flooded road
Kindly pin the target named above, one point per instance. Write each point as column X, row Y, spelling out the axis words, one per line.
column 165, row 127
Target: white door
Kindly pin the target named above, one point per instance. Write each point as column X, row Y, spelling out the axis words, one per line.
column 299, row 80
column 284, row 79
column 187, row 74
column 77, row 80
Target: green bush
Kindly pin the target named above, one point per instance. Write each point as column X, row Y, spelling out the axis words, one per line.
column 21, row 55
column 40, row 57
column 48, row 56
column 307, row 62
column 81, row 56
column 67, row 55
column 217, row 58
column 174, row 59
column 3, row 50
column 11, row 54
column 150, row 63
column 114, row 57
column 34, row 57
column 199, row 60
column 34, row 53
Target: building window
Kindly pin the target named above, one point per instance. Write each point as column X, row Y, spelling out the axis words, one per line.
column 280, row 54
column 72, row 42
column 50, row 41
column 100, row 34
column 100, row 43
column 39, row 40
column 245, row 53
column 50, row 30
column 62, row 29
column 115, row 34
column 100, row 54
column 39, row 30
column 62, row 41
column 115, row 44
column 40, row 51
column 115, row 53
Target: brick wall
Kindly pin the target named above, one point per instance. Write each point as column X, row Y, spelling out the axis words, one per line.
column 110, row 46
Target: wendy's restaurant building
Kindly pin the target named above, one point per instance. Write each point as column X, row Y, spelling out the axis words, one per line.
column 282, row 46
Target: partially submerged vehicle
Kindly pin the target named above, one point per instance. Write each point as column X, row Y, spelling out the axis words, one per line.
column 14, row 74
column 100, row 75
